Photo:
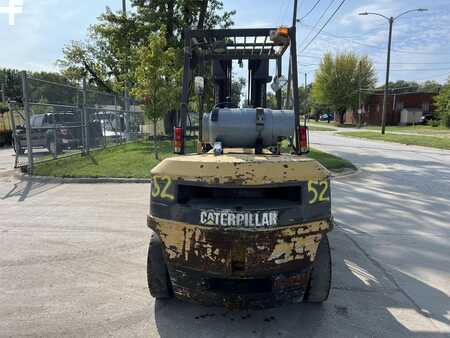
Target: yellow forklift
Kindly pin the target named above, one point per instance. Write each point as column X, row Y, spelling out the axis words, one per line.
column 240, row 223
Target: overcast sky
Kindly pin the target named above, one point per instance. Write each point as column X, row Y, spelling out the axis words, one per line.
column 421, row 41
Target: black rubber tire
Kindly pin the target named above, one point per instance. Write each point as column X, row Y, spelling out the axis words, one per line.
column 320, row 277
column 157, row 275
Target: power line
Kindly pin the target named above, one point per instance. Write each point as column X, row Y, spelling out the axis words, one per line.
column 370, row 45
column 394, row 63
column 326, row 23
column 417, row 70
column 320, row 18
column 416, row 63
column 310, row 11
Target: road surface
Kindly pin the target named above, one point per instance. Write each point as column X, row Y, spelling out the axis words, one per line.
column 73, row 257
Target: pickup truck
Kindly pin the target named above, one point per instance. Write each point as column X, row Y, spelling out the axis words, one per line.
column 65, row 126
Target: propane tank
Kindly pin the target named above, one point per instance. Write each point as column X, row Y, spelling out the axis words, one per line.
column 246, row 127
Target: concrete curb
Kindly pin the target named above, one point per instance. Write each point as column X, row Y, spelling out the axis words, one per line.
column 99, row 180
column 83, row 180
column 346, row 174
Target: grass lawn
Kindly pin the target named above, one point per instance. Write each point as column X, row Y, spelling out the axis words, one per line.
column 320, row 128
column 417, row 140
column 331, row 162
column 135, row 160
column 417, row 129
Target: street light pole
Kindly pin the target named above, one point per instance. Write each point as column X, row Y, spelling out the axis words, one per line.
column 388, row 63
column 386, row 86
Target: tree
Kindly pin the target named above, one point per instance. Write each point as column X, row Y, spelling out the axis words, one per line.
column 236, row 91
column 303, row 96
column 109, row 56
column 442, row 104
column 402, row 86
column 431, row 87
column 158, row 79
column 338, row 79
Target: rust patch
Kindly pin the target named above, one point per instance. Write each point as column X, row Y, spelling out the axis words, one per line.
column 238, row 252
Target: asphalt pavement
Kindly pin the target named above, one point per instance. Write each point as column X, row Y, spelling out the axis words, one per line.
column 73, row 258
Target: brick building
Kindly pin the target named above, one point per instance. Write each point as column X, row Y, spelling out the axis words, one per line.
column 396, row 103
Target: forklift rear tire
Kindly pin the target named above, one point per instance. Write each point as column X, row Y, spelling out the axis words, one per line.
column 320, row 277
column 157, row 275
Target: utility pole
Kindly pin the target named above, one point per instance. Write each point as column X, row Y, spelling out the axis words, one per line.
column 124, row 7
column 306, row 95
column 287, row 103
column 388, row 63
column 359, row 94
column 386, row 86
column 296, row 98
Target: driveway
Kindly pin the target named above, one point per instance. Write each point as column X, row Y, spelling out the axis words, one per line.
column 7, row 157
column 73, row 260
column 398, row 212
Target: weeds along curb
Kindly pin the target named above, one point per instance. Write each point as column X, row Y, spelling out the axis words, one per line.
column 92, row 180
column 83, row 180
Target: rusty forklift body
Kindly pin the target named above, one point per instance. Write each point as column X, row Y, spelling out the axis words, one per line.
column 242, row 228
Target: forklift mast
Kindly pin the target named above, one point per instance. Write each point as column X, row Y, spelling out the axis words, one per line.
column 220, row 47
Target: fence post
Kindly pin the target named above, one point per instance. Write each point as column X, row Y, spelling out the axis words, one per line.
column 12, row 123
column 26, row 107
column 82, row 122
column 117, row 118
column 55, row 138
column 126, row 115
column 85, row 124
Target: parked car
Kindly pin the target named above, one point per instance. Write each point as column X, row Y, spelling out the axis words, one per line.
column 44, row 128
column 426, row 118
column 326, row 117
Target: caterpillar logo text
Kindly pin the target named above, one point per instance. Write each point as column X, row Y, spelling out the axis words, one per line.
column 229, row 218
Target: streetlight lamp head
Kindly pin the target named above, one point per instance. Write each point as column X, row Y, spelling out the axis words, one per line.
column 422, row 9
column 364, row 13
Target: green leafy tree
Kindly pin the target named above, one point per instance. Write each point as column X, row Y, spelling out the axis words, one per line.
column 236, row 91
column 303, row 96
column 431, row 87
column 442, row 104
column 158, row 80
column 338, row 79
column 109, row 56
column 402, row 86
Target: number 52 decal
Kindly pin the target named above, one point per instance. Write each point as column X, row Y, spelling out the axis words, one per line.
column 161, row 187
column 318, row 191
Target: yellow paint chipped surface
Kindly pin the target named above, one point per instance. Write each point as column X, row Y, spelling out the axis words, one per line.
column 209, row 245
column 242, row 169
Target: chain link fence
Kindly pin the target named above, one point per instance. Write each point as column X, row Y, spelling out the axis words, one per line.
column 56, row 120
column 5, row 124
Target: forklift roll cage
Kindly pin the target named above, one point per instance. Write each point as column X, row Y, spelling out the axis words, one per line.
column 226, row 45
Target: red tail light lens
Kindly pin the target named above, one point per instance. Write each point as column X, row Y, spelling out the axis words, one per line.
column 178, row 146
column 303, row 140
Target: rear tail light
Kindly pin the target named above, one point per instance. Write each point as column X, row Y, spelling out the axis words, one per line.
column 303, row 141
column 178, row 146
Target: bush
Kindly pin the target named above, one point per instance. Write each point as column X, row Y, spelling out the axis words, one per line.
column 435, row 123
column 3, row 108
column 445, row 118
column 442, row 104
